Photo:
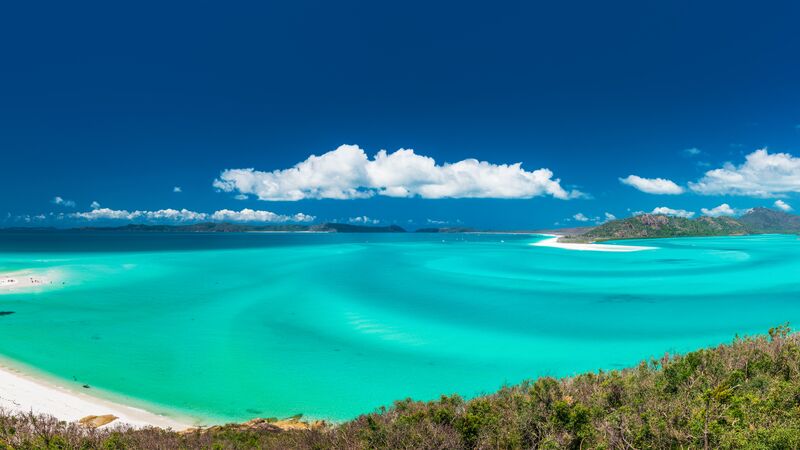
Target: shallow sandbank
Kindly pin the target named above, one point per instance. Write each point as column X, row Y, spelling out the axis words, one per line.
column 553, row 241
column 27, row 279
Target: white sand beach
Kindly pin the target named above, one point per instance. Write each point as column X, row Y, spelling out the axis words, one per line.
column 22, row 393
column 23, row 280
column 553, row 242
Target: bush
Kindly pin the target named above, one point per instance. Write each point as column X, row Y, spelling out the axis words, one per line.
column 742, row 395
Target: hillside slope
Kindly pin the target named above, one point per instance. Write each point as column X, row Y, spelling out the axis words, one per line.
column 765, row 220
column 742, row 395
column 755, row 221
column 661, row 226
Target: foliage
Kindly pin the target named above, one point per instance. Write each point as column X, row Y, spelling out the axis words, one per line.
column 742, row 395
column 755, row 221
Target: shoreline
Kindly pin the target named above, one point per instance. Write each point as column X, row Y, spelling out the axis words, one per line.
column 553, row 242
column 22, row 392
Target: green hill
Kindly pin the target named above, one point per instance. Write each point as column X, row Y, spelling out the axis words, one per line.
column 764, row 220
column 755, row 221
column 661, row 226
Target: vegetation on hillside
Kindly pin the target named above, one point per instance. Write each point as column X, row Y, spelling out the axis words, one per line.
column 755, row 221
column 661, row 226
column 741, row 395
column 765, row 220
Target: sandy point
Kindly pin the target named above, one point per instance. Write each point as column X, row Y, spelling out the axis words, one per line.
column 553, row 241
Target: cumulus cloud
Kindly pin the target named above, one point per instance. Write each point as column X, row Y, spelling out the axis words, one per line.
column 652, row 185
column 177, row 189
column 609, row 217
column 580, row 217
column 364, row 220
column 185, row 215
column 94, row 205
column 721, row 210
column 782, row 205
column 669, row 212
column 63, row 202
column 250, row 215
column 692, row 151
column 348, row 173
column 762, row 174
column 172, row 215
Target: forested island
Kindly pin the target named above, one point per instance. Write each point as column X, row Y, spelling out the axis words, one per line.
column 755, row 221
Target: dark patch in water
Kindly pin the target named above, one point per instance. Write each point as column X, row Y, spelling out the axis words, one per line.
column 253, row 411
column 6, row 313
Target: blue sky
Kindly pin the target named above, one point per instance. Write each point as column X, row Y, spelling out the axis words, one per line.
column 119, row 104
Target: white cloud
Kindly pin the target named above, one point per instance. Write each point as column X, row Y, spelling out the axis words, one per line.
column 762, row 174
column 240, row 197
column 721, row 210
column 363, row 220
column 177, row 189
column 610, row 217
column 692, row 151
column 250, row 215
column 94, row 205
column 104, row 214
column 782, row 205
column 348, row 173
column 580, row 217
column 437, row 222
column 652, row 185
column 171, row 215
column 669, row 212
column 185, row 215
column 62, row 202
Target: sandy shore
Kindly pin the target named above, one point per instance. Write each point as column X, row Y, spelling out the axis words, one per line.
column 23, row 280
column 553, row 242
column 23, row 393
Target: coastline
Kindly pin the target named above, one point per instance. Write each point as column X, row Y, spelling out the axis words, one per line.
column 22, row 392
column 553, row 242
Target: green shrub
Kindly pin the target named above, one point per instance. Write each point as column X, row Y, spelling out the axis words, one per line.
column 742, row 395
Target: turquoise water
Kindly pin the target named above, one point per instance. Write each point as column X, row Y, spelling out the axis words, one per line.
column 233, row 326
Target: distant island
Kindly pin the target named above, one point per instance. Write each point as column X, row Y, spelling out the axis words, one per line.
column 645, row 226
column 227, row 227
column 642, row 226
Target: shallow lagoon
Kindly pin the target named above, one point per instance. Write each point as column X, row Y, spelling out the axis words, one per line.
column 233, row 326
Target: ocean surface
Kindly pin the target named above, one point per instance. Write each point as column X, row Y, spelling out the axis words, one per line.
column 223, row 327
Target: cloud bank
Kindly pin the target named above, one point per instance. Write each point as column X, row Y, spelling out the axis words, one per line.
column 185, row 215
column 363, row 220
column 668, row 212
column 348, row 173
column 762, row 174
column 660, row 186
